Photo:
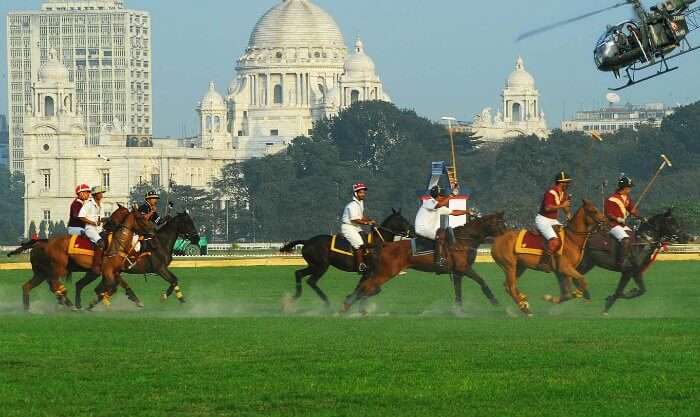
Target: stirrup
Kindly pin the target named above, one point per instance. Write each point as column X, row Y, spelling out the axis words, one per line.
column 362, row 267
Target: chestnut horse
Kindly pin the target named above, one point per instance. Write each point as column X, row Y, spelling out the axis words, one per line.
column 51, row 262
column 585, row 222
column 118, row 251
column 397, row 256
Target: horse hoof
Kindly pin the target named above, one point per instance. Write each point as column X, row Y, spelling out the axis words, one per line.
column 76, row 308
column 163, row 297
column 139, row 304
column 182, row 300
column 605, row 314
column 548, row 298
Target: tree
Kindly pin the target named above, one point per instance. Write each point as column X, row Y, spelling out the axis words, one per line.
column 11, row 205
column 42, row 230
column 32, row 230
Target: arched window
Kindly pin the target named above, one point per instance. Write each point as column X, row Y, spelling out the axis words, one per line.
column 517, row 112
column 278, row 94
column 208, row 124
column 217, row 123
column 49, row 110
column 354, row 96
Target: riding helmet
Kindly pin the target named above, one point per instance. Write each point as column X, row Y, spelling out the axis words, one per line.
column 562, row 177
column 624, row 182
column 152, row 194
column 436, row 191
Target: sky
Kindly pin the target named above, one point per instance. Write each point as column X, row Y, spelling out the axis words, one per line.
column 440, row 58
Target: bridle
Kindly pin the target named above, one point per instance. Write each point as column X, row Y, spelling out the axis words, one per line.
column 599, row 225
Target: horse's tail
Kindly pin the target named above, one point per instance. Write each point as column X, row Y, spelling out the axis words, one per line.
column 289, row 247
column 25, row 246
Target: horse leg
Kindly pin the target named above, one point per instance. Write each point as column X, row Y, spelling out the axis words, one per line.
column 130, row 294
column 313, row 283
column 457, row 284
column 299, row 277
column 27, row 288
column 619, row 291
column 513, row 272
column 568, row 270
column 641, row 287
column 474, row 276
column 86, row 280
column 168, row 275
column 59, row 290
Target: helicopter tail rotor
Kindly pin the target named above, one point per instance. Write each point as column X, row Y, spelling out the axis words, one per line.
column 571, row 20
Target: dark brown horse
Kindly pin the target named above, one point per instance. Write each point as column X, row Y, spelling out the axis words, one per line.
column 318, row 254
column 585, row 222
column 397, row 256
column 51, row 262
column 650, row 237
column 157, row 262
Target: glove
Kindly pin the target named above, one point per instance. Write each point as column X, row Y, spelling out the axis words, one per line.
column 620, row 220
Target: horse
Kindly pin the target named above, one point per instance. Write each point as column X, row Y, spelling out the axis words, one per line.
column 397, row 256
column 157, row 262
column 586, row 221
column 51, row 262
column 652, row 235
column 319, row 256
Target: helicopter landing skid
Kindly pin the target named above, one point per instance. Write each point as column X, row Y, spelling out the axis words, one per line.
column 632, row 81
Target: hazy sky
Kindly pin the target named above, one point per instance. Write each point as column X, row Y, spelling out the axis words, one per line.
column 443, row 57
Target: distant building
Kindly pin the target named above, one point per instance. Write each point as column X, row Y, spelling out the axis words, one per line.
column 106, row 49
column 520, row 113
column 4, row 139
column 610, row 119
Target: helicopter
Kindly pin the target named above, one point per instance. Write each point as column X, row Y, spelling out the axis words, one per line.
column 652, row 39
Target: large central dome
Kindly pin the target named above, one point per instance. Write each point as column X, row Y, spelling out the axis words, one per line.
column 296, row 23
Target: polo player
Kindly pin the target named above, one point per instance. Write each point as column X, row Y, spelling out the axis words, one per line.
column 618, row 207
column 352, row 221
column 555, row 198
column 93, row 215
column 428, row 221
column 75, row 225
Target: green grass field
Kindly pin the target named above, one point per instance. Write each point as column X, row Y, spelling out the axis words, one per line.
column 231, row 351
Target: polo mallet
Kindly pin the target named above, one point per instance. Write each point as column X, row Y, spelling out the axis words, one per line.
column 665, row 162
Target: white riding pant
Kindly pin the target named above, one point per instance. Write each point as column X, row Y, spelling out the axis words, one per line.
column 135, row 243
column 76, row 231
column 352, row 234
column 620, row 232
column 545, row 226
column 93, row 233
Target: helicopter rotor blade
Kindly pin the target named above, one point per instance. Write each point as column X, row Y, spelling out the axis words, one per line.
column 569, row 21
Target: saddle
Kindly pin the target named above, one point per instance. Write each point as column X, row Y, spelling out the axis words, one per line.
column 80, row 245
column 531, row 242
column 341, row 245
column 606, row 243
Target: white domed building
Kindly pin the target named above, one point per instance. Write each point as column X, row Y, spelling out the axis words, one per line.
column 295, row 70
column 520, row 114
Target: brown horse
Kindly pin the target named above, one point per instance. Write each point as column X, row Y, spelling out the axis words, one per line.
column 586, row 221
column 118, row 251
column 397, row 256
column 51, row 262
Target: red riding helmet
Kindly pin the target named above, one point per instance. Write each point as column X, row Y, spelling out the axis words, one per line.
column 81, row 188
column 358, row 187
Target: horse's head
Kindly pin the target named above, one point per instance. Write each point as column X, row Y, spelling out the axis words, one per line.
column 589, row 217
column 185, row 227
column 491, row 225
column 664, row 227
column 397, row 224
column 139, row 224
column 116, row 219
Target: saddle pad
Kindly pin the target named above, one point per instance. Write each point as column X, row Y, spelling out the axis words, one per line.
column 80, row 245
column 341, row 245
column 533, row 244
column 602, row 243
column 422, row 246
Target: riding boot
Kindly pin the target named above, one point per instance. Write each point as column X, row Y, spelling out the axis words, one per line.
column 360, row 264
column 440, row 261
column 546, row 261
column 96, row 267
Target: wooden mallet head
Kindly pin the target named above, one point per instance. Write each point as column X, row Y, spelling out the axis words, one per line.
column 666, row 160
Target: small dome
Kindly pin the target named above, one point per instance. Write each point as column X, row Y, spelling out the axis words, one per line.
column 359, row 62
column 212, row 100
column 296, row 23
column 520, row 78
column 53, row 70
